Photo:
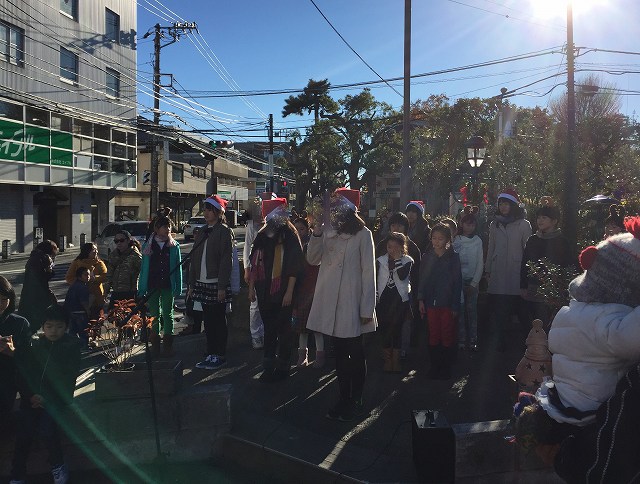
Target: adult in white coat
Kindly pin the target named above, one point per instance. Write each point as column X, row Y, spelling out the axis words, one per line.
column 508, row 235
column 345, row 296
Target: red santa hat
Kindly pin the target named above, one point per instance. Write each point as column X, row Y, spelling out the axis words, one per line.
column 510, row 194
column 216, row 201
column 419, row 204
column 352, row 197
column 269, row 207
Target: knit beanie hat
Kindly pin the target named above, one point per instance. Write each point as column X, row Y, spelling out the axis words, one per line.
column 415, row 205
column 511, row 195
column 548, row 208
column 612, row 269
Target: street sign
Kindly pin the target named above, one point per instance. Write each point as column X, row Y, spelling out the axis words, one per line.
column 186, row 157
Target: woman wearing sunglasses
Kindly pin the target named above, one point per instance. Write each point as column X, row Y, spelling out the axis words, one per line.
column 123, row 268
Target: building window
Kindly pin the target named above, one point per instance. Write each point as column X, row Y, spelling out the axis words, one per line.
column 68, row 65
column 70, row 8
column 112, row 26
column 177, row 174
column 113, row 82
column 11, row 44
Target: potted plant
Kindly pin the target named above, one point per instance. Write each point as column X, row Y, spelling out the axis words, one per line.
column 115, row 334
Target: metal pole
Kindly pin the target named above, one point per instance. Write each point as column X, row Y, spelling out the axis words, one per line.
column 155, row 163
column 271, row 187
column 405, row 172
column 570, row 228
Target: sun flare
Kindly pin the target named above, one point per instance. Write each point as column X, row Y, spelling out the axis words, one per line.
column 558, row 8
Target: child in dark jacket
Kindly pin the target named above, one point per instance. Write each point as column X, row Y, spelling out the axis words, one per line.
column 439, row 295
column 47, row 379
column 15, row 337
column 77, row 305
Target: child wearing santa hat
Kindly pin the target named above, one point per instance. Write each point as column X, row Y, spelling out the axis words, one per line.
column 276, row 260
column 508, row 235
column 210, row 279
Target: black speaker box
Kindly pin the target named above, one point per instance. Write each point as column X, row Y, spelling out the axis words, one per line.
column 434, row 446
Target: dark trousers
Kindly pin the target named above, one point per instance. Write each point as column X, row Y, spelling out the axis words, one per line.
column 215, row 328
column 504, row 306
column 351, row 366
column 278, row 333
column 78, row 324
column 34, row 422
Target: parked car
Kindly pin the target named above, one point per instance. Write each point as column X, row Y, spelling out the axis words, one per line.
column 191, row 225
column 104, row 241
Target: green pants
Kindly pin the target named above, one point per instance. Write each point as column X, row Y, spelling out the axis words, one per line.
column 161, row 309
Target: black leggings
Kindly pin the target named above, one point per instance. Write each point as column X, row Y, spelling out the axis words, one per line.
column 277, row 332
column 215, row 328
column 351, row 366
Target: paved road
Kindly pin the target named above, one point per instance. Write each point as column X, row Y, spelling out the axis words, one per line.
column 13, row 269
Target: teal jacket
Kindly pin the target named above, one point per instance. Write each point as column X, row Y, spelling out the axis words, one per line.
column 176, row 277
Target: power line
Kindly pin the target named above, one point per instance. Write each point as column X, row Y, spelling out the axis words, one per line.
column 353, row 50
column 508, row 16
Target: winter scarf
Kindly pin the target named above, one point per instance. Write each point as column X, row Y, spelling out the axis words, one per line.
column 257, row 266
column 170, row 241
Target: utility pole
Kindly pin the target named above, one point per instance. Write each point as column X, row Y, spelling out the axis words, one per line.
column 271, row 187
column 570, row 222
column 174, row 31
column 406, row 171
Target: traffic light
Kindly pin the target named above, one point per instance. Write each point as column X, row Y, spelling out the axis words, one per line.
column 285, row 188
column 146, row 177
column 221, row 144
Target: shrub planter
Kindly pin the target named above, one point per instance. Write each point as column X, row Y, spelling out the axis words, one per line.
column 134, row 382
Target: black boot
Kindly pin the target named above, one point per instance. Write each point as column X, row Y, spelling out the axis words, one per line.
column 446, row 362
column 435, row 358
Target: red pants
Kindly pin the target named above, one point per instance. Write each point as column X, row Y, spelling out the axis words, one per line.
column 442, row 327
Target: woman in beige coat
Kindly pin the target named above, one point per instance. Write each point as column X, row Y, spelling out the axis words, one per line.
column 345, row 296
column 508, row 235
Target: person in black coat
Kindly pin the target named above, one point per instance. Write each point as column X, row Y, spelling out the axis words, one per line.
column 15, row 336
column 550, row 244
column 36, row 295
column 276, row 261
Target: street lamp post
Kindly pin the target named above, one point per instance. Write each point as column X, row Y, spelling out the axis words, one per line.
column 476, row 151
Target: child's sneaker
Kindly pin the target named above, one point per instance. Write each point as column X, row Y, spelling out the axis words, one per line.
column 212, row 362
column 60, row 474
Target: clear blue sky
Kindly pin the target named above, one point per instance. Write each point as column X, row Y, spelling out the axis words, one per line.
column 281, row 44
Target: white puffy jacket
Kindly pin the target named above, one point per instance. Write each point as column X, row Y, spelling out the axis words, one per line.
column 593, row 346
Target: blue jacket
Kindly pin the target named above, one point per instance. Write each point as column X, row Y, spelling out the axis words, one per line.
column 440, row 280
column 175, row 257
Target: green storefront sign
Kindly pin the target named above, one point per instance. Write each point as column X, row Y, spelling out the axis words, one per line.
column 32, row 144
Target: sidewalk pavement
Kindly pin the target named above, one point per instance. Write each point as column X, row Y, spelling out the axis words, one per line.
column 279, row 432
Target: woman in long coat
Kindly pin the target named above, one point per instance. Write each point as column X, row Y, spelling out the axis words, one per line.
column 345, row 297
column 508, row 235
